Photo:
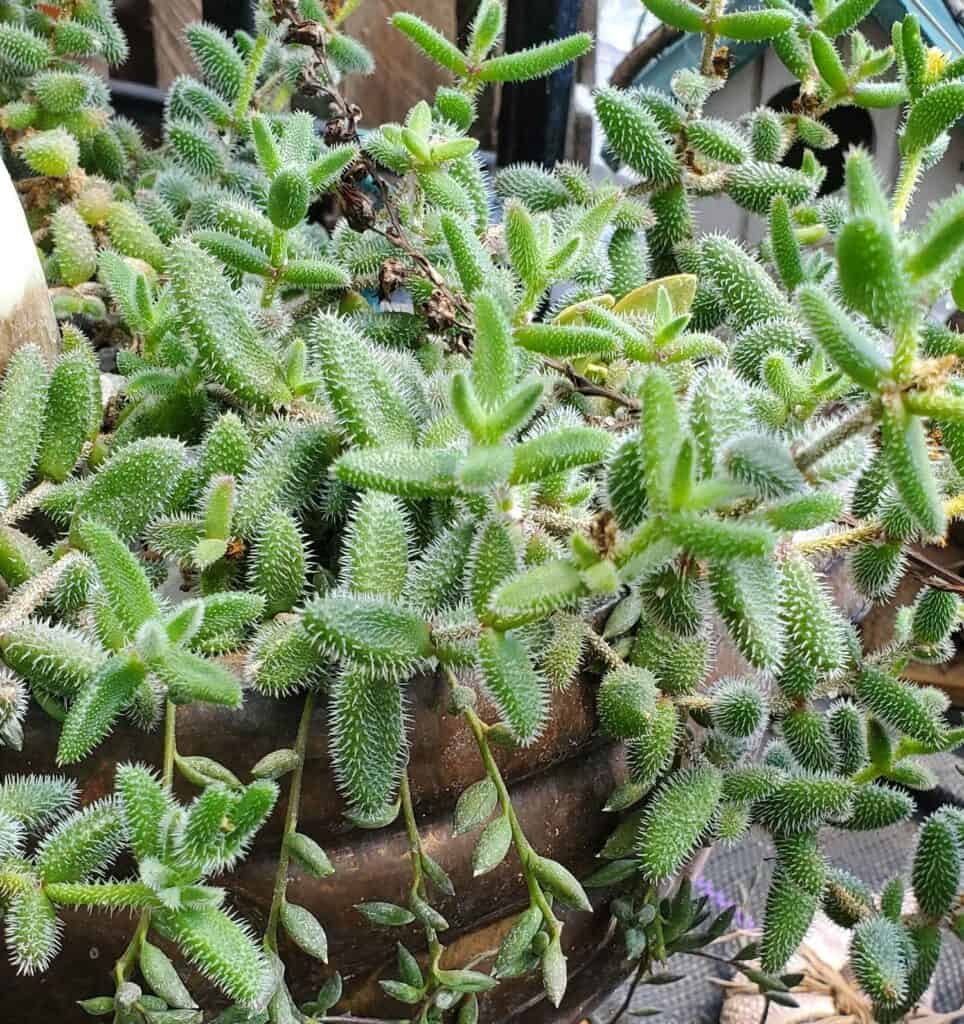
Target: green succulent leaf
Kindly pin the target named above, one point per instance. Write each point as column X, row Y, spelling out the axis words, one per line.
column 678, row 817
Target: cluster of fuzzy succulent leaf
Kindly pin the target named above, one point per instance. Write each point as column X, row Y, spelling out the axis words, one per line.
column 577, row 440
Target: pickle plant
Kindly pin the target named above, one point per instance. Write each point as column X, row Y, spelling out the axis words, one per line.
column 584, row 441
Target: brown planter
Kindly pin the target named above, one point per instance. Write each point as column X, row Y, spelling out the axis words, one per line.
column 559, row 786
column 558, row 797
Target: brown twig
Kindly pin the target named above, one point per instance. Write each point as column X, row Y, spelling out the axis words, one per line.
column 639, row 56
column 924, row 568
column 603, row 649
column 310, row 33
column 584, row 386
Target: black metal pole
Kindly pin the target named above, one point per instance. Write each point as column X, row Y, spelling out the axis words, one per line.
column 534, row 115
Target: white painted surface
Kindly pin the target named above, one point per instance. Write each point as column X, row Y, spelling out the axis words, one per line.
column 756, row 84
column 19, row 266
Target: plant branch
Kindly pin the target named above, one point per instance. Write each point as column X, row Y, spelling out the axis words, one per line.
column 559, row 523
column 714, row 10
column 435, row 948
column 638, row 976
column 873, row 529
column 351, row 1019
column 906, row 345
column 279, row 250
column 313, row 34
column 832, row 542
column 26, row 503
column 603, row 649
column 290, row 825
column 584, row 386
column 847, row 428
column 170, row 744
column 519, row 840
column 29, row 596
column 252, row 69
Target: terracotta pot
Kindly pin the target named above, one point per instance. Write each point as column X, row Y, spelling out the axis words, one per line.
column 559, row 786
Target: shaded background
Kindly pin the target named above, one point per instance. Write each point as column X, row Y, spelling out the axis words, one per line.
column 528, row 121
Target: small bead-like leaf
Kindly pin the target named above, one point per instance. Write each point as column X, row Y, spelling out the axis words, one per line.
column 739, row 708
column 717, row 140
column 190, row 677
column 278, row 563
column 376, row 546
column 217, row 58
column 764, row 465
column 869, row 273
column 536, row 61
column 932, row 114
column 24, row 50
column 160, row 974
column 626, row 702
column 73, row 413
column 32, row 930
column 309, row 855
column 904, row 445
column 557, row 450
column 789, row 911
column 754, row 185
column 877, row 806
column 144, row 804
column 303, row 929
column 752, row 295
column 382, row 635
column 936, row 871
column 285, row 474
column 746, row 595
column 227, row 341
column 282, row 659
column 813, row 627
column 83, row 845
column 431, row 42
column 803, row 802
column 475, row 805
column 122, row 577
column 651, row 753
column 492, row 846
column 753, row 26
column 808, row 736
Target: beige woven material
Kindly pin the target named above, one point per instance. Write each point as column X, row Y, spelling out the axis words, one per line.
column 827, row 994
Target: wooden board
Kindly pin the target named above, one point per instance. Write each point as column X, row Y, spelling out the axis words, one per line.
column 169, row 19
column 403, row 75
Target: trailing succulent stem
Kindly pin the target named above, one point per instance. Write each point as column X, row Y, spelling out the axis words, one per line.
column 291, row 823
column 535, row 870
